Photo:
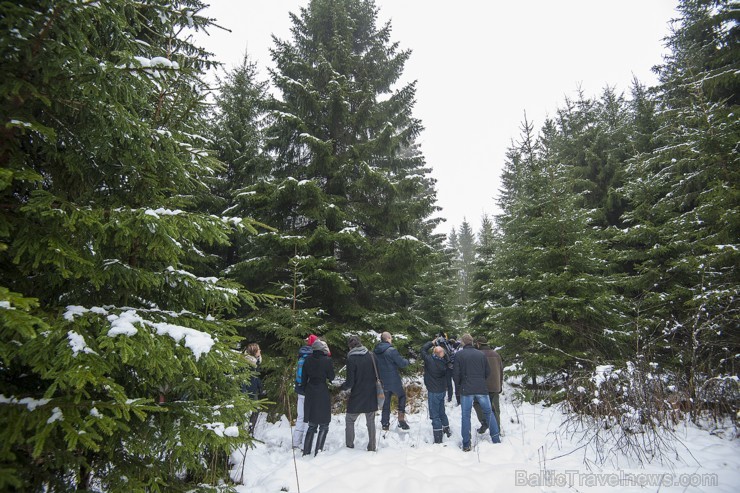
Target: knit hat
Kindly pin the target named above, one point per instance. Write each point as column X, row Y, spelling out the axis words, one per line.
column 311, row 339
column 354, row 342
column 320, row 345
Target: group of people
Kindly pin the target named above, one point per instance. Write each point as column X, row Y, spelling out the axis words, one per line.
column 475, row 368
column 313, row 374
column 477, row 371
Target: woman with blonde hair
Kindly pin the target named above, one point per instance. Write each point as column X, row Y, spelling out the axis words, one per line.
column 253, row 355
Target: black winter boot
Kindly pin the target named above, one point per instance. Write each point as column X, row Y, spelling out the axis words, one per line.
column 308, row 441
column 321, row 439
column 446, row 431
column 437, row 436
column 402, row 421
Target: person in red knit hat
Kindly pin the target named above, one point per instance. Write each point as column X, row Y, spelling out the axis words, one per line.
column 299, row 432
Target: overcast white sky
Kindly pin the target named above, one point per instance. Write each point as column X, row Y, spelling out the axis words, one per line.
column 480, row 64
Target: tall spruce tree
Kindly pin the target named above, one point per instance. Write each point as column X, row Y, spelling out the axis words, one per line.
column 117, row 371
column 486, row 236
column 489, row 239
column 542, row 297
column 685, row 218
column 348, row 193
column 237, row 135
column 466, row 239
column 461, row 246
column 432, row 309
column 593, row 139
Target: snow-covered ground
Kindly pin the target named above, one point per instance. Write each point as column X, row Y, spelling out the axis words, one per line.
column 535, row 456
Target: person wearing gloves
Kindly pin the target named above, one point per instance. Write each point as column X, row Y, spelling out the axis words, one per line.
column 318, row 372
column 389, row 362
column 435, row 380
column 362, row 398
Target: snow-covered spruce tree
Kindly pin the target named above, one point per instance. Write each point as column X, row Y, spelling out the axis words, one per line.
column 489, row 239
column 544, row 297
column 465, row 268
column 457, row 311
column 431, row 307
column 593, row 140
column 684, row 224
column 237, row 133
column 461, row 251
column 116, row 367
column 237, row 138
column 348, row 192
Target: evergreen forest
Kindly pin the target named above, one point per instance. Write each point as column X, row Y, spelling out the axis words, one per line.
column 152, row 224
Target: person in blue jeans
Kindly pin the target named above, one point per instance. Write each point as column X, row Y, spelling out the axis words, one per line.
column 435, row 371
column 470, row 374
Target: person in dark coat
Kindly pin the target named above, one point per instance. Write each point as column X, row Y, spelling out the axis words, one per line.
column 470, row 374
column 389, row 362
column 435, row 380
column 318, row 371
column 362, row 398
column 495, row 382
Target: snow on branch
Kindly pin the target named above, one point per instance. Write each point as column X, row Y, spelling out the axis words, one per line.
column 124, row 324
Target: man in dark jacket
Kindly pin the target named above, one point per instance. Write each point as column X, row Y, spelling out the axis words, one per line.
column 470, row 374
column 389, row 362
column 362, row 398
column 318, row 372
column 495, row 382
column 435, row 372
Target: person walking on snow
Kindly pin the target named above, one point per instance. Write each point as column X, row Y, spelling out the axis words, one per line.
column 435, row 371
column 389, row 362
column 362, row 398
column 470, row 374
column 318, row 372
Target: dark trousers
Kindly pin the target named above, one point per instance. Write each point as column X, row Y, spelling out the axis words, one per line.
column 449, row 384
column 493, row 396
column 385, row 416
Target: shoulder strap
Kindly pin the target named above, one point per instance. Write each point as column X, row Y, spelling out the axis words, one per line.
column 372, row 356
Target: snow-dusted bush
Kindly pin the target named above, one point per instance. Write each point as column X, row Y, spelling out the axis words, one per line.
column 629, row 411
column 634, row 410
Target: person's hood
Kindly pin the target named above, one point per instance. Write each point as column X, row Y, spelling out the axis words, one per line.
column 381, row 347
column 320, row 345
column 304, row 351
column 357, row 350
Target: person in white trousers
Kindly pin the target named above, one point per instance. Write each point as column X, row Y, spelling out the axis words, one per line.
column 299, row 432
